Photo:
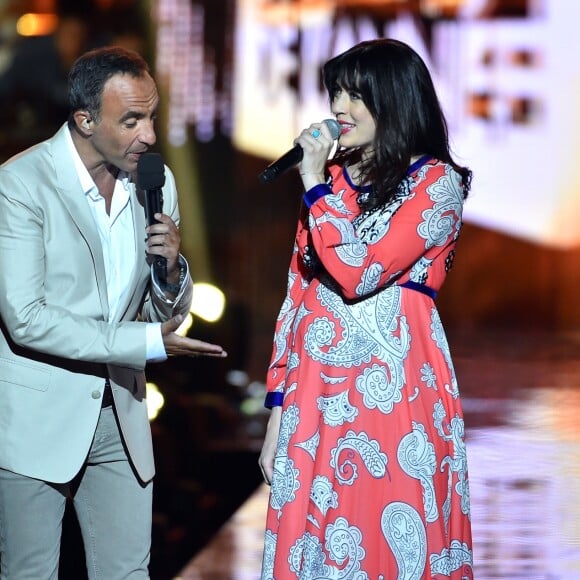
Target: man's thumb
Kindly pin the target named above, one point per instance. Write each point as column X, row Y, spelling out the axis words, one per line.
column 172, row 324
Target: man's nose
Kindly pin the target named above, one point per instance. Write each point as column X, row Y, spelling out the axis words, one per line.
column 148, row 135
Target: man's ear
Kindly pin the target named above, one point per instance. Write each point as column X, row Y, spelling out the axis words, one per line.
column 84, row 122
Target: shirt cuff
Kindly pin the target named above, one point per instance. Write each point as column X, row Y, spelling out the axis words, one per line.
column 316, row 192
column 154, row 341
column 183, row 277
column 274, row 399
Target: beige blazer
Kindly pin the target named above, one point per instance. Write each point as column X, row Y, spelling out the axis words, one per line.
column 56, row 345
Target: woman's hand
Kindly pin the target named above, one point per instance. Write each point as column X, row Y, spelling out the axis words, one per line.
column 266, row 460
column 316, row 142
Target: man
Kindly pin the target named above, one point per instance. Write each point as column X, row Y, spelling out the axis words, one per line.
column 81, row 314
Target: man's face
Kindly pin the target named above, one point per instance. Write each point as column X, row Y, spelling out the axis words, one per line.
column 125, row 130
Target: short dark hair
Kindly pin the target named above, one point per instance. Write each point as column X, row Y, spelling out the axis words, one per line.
column 92, row 70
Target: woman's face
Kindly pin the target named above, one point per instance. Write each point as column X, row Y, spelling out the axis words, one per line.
column 358, row 127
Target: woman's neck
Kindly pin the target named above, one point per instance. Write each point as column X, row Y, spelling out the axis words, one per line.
column 354, row 173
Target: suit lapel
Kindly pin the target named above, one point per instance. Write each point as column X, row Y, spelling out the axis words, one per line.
column 69, row 190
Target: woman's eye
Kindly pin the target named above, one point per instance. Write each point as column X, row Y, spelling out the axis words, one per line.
column 354, row 96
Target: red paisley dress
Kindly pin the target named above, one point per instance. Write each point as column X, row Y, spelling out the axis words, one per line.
column 370, row 474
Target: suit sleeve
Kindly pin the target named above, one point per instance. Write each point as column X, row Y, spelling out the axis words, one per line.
column 156, row 307
column 52, row 312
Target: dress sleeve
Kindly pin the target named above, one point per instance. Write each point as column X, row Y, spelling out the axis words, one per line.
column 281, row 358
column 384, row 246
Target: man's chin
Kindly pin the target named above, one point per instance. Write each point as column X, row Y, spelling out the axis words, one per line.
column 129, row 164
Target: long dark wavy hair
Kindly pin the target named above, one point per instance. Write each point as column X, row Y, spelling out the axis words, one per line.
column 396, row 87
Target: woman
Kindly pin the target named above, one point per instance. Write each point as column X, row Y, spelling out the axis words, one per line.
column 364, row 448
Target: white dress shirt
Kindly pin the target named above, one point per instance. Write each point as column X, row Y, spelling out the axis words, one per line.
column 118, row 243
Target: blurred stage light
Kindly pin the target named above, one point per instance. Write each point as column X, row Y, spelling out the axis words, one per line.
column 155, row 401
column 36, row 24
column 208, row 302
column 238, row 378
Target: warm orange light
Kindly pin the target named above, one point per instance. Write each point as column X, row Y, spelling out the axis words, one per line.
column 36, row 24
column 44, row 6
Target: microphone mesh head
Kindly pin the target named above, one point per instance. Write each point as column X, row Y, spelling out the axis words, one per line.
column 333, row 126
column 150, row 171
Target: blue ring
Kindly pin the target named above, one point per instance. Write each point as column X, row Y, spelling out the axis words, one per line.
column 316, row 133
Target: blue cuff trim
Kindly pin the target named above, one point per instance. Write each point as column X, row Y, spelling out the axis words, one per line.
column 316, row 192
column 420, row 288
column 274, row 399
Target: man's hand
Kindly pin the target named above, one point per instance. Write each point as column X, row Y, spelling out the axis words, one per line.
column 176, row 345
column 164, row 240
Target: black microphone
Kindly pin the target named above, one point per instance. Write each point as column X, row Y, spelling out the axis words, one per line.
column 294, row 156
column 151, row 178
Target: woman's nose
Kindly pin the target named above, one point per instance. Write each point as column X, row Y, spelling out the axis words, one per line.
column 339, row 104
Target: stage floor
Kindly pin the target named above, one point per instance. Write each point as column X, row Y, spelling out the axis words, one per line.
column 521, row 397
